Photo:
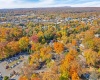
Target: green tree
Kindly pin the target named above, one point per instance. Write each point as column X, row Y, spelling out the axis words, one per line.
column 6, row 78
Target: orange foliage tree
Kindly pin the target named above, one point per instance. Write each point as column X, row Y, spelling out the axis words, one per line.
column 67, row 63
column 23, row 78
column 58, row 47
column 13, row 46
column 75, row 76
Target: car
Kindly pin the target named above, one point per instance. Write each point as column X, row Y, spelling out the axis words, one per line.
column 85, row 76
column 11, row 74
column 8, row 61
column 18, row 62
column 7, row 67
column 0, row 61
column 0, row 75
column 12, row 66
column 1, row 78
column 11, row 61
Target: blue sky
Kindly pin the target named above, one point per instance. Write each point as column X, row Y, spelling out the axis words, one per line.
column 47, row 3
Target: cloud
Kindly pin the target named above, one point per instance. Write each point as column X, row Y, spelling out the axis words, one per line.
column 24, row 4
column 47, row 3
column 88, row 4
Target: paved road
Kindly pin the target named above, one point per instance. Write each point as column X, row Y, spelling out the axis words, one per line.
column 16, row 69
column 42, row 70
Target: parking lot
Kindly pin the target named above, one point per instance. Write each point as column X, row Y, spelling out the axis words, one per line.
column 11, row 66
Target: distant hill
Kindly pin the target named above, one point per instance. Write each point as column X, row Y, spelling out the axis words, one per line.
column 53, row 9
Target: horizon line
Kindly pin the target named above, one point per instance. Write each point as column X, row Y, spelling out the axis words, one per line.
column 52, row 7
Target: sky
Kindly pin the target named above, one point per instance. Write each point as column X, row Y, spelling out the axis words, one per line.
column 47, row 3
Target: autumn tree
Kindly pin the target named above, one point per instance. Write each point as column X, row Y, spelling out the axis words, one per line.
column 13, row 47
column 34, row 38
column 45, row 53
column 75, row 76
column 58, row 47
column 35, row 77
column 91, row 56
column 23, row 43
column 23, row 78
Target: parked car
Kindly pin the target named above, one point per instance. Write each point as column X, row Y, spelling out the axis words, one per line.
column 7, row 67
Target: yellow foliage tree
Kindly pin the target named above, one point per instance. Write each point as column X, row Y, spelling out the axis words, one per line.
column 91, row 56
column 23, row 42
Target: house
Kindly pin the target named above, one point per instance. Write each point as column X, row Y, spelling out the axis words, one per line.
column 81, row 45
column 68, row 19
column 97, row 35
